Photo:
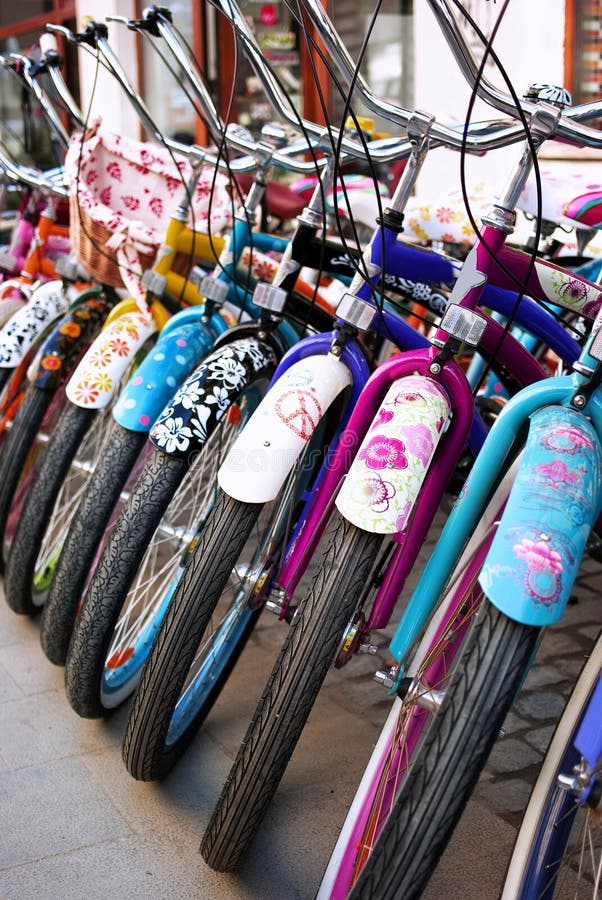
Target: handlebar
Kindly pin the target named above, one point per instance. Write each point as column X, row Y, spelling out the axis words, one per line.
column 43, row 181
column 50, row 63
column 21, row 66
column 566, row 127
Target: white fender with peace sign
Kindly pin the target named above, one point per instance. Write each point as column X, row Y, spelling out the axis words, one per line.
column 279, row 429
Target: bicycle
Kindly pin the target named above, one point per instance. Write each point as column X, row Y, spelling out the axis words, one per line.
column 173, row 675
column 344, row 605
column 184, row 341
column 558, row 843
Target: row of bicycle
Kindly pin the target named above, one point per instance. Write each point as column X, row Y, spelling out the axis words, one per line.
column 168, row 473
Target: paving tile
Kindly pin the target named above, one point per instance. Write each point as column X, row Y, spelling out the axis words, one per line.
column 42, row 728
column 507, row 795
column 53, row 809
column 9, row 689
column 15, row 629
column 510, row 755
column 30, row 668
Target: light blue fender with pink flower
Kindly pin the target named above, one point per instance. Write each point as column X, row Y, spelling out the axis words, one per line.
column 555, row 500
column 386, row 476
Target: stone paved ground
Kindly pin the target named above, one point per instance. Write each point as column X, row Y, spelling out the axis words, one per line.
column 74, row 825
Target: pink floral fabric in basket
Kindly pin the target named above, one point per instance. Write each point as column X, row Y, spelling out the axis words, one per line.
column 132, row 188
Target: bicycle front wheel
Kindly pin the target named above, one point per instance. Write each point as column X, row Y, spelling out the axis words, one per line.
column 558, row 849
column 452, row 754
column 140, row 565
column 123, row 454
column 49, row 503
column 306, row 656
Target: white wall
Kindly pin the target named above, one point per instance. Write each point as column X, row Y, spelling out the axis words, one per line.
column 530, row 44
column 106, row 97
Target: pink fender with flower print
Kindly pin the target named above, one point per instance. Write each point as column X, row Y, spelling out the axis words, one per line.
column 553, row 505
column 267, row 448
column 386, row 476
column 99, row 374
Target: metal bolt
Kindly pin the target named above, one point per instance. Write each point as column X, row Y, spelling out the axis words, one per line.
column 434, row 368
column 579, row 401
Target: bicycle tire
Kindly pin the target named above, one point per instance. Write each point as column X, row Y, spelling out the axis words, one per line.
column 427, row 670
column 552, row 814
column 306, row 656
column 99, row 674
column 149, row 748
column 85, row 536
column 17, row 457
column 24, row 558
column 451, row 758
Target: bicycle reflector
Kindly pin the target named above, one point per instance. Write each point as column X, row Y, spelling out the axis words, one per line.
column 269, row 297
column 213, row 289
column 463, row 324
column 355, row 312
column 595, row 349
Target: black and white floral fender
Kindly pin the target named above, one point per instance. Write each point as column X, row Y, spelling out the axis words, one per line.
column 197, row 406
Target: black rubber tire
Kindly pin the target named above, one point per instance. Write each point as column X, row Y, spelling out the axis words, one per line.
column 289, row 696
column 38, row 507
column 208, row 569
column 445, row 771
column 152, row 496
column 16, row 448
column 89, row 524
column 5, row 376
column 544, row 843
column 109, row 586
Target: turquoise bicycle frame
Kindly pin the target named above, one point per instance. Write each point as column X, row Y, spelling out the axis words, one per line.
column 567, row 505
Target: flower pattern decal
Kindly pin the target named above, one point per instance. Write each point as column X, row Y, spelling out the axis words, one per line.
column 538, row 555
column 384, row 453
column 102, row 367
column 208, row 393
column 380, row 490
column 172, row 434
column 378, row 493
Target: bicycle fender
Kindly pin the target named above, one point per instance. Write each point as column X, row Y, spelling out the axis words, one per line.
column 185, row 424
column 553, row 504
column 175, row 355
column 97, row 377
column 267, row 448
column 48, row 302
column 385, row 478
column 67, row 340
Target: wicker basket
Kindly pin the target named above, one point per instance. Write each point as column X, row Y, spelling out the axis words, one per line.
column 122, row 193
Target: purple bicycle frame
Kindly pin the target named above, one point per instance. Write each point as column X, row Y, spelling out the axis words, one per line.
column 512, row 355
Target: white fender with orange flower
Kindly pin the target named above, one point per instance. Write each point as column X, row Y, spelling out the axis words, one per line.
column 98, row 375
column 386, row 476
column 280, row 428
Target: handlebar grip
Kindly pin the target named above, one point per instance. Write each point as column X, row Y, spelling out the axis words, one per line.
column 48, row 43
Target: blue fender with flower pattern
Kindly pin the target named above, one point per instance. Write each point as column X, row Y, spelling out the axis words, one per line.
column 555, row 500
column 383, row 483
column 177, row 352
column 185, row 424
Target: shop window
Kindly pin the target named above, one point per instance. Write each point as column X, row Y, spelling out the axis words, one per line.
column 166, row 99
column 583, row 20
column 388, row 65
